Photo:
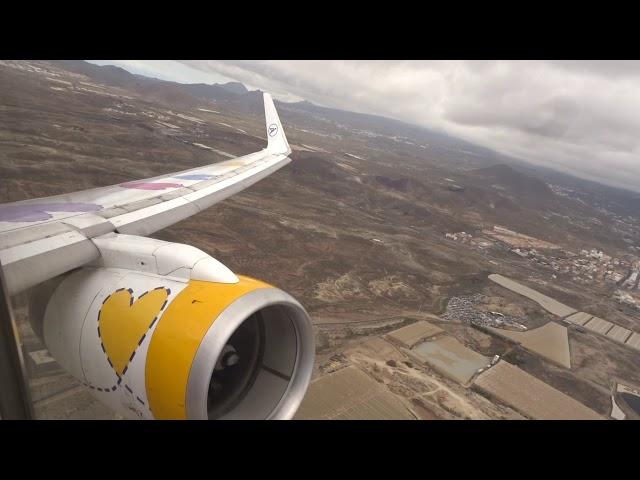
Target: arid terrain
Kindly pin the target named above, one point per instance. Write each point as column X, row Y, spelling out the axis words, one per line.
column 374, row 225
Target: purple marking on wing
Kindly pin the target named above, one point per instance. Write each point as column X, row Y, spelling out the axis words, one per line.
column 195, row 177
column 37, row 212
column 150, row 185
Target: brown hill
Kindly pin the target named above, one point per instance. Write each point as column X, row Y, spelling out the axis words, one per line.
column 514, row 180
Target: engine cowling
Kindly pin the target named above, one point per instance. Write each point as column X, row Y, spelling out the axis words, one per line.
column 172, row 346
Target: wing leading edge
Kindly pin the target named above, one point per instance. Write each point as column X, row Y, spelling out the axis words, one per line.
column 43, row 238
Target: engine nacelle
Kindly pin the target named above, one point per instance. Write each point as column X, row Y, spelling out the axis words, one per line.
column 175, row 347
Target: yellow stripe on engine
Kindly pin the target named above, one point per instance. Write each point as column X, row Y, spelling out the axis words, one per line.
column 177, row 337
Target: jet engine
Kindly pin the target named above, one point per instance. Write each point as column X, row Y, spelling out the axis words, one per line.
column 160, row 330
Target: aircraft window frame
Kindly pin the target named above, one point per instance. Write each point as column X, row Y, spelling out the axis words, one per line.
column 15, row 398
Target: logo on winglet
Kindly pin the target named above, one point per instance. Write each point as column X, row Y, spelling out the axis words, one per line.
column 272, row 129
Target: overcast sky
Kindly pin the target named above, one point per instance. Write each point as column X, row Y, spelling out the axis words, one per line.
column 582, row 117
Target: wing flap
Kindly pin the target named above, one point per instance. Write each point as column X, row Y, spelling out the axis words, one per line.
column 151, row 219
column 30, row 263
column 28, row 235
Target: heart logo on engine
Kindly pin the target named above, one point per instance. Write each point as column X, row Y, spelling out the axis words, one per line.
column 123, row 323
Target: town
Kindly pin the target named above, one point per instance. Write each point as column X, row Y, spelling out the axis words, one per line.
column 592, row 267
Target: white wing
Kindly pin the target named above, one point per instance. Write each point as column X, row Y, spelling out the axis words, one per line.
column 43, row 238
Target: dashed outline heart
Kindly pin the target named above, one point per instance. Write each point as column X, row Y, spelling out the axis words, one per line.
column 113, row 388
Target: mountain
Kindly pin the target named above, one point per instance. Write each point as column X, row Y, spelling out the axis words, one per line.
column 416, row 141
column 517, row 182
column 211, row 92
column 617, row 200
column 150, row 88
column 242, row 100
column 235, row 87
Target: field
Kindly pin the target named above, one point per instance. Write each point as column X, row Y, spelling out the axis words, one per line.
column 451, row 358
column 349, row 394
column 549, row 304
column 410, row 335
column 431, row 392
column 550, row 341
column 533, row 398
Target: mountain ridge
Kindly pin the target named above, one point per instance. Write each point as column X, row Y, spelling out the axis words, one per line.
column 243, row 100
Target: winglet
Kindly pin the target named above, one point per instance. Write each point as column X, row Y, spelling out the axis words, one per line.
column 275, row 134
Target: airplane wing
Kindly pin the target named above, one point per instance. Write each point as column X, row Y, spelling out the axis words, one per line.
column 43, row 238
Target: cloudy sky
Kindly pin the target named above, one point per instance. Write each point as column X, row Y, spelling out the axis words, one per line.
column 581, row 117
